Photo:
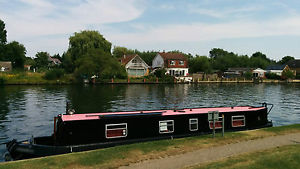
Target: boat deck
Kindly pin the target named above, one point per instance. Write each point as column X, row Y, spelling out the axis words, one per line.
column 96, row 116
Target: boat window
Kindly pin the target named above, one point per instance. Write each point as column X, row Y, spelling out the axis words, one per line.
column 116, row 130
column 218, row 124
column 193, row 124
column 238, row 121
column 166, row 126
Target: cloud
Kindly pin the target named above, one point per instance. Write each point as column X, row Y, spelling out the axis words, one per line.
column 203, row 32
column 37, row 19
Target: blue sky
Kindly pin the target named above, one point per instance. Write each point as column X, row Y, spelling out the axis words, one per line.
column 191, row 26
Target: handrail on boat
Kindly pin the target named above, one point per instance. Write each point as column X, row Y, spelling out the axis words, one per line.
column 266, row 105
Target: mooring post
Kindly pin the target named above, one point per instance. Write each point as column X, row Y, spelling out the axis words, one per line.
column 223, row 125
column 213, row 116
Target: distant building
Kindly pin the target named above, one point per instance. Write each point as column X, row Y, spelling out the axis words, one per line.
column 236, row 72
column 259, row 73
column 294, row 65
column 53, row 61
column 5, row 66
column 135, row 66
column 277, row 69
column 175, row 63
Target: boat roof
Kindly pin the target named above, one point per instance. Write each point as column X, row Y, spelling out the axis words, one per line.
column 96, row 116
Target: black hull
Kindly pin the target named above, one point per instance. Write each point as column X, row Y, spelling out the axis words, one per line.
column 25, row 150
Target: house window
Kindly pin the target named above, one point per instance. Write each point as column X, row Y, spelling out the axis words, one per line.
column 172, row 62
column 238, row 121
column 166, row 126
column 193, row 124
column 218, row 124
column 181, row 62
column 116, row 130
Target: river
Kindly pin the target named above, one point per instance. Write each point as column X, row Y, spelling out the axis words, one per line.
column 29, row 110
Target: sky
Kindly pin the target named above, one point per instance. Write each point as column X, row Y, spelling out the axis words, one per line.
column 191, row 26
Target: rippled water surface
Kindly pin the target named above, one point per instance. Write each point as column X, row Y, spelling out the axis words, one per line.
column 29, row 110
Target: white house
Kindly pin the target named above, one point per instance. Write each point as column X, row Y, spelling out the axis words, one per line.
column 135, row 66
column 175, row 63
column 277, row 69
column 259, row 73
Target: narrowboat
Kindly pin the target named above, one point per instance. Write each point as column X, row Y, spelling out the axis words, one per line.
column 80, row 132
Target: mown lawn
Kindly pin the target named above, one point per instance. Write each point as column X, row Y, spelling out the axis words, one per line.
column 124, row 155
column 285, row 157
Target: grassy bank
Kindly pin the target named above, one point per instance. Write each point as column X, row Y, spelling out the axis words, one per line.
column 276, row 158
column 18, row 78
column 123, row 155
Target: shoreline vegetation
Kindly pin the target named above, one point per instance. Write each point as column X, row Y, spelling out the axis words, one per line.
column 30, row 78
column 124, row 155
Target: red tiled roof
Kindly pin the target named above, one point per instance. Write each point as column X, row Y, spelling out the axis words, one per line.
column 126, row 58
column 173, row 56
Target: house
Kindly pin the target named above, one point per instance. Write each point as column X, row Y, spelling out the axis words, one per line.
column 259, row 73
column 236, row 72
column 5, row 66
column 27, row 67
column 135, row 66
column 175, row 63
column 277, row 69
column 53, row 61
column 294, row 65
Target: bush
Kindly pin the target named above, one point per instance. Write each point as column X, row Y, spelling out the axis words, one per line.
column 288, row 75
column 2, row 80
column 273, row 76
column 54, row 74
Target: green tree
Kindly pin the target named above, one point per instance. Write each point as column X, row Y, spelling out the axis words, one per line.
column 200, row 64
column 98, row 62
column 119, row 51
column 15, row 52
column 81, row 43
column 41, row 59
column 2, row 39
column 287, row 74
column 2, row 33
column 285, row 59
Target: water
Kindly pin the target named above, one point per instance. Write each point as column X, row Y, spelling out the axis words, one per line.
column 29, row 110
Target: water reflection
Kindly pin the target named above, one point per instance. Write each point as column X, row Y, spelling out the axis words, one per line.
column 29, row 110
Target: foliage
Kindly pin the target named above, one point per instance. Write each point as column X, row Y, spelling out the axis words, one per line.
column 287, row 74
column 160, row 73
column 41, row 60
column 200, row 64
column 54, row 74
column 248, row 75
column 2, row 80
column 273, row 76
column 98, row 62
column 15, row 52
column 3, row 33
column 119, row 51
column 286, row 59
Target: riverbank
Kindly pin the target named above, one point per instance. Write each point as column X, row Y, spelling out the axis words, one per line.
column 126, row 155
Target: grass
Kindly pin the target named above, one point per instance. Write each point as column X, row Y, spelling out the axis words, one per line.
column 124, row 155
column 15, row 78
column 286, row 157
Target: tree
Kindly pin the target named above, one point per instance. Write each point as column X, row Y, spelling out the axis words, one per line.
column 98, row 62
column 2, row 33
column 2, row 39
column 287, row 74
column 285, row 59
column 15, row 52
column 81, row 43
column 200, row 64
column 119, row 51
column 41, row 59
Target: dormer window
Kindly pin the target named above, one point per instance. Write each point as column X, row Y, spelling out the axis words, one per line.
column 172, row 62
column 181, row 62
